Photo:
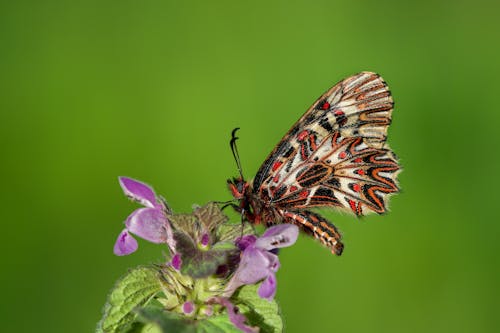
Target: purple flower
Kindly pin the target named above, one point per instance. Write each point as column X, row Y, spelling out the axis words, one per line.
column 258, row 262
column 235, row 317
column 149, row 223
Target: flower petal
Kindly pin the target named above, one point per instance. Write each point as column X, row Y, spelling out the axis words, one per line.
column 138, row 191
column 235, row 317
column 274, row 262
column 245, row 241
column 267, row 289
column 125, row 244
column 148, row 223
column 281, row 235
column 205, row 240
column 254, row 265
column 176, row 262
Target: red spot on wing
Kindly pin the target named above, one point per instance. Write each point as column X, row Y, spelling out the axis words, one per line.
column 356, row 187
column 304, row 194
column 360, row 172
column 343, row 155
column 312, row 141
column 302, row 135
column 293, row 188
column 276, row 165
column 353, row 205
column 358, row 160
column 338, row 113
column 276, row 178
column 325, row 106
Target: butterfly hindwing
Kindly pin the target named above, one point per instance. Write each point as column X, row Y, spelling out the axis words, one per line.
column 348, row 174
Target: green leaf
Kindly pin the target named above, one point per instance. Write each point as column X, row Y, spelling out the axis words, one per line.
column 259, row 312
column 217, row 324
column 166, row 322
column 138, row 327
column 160, row 321
column 199, row 263
column 133, row 290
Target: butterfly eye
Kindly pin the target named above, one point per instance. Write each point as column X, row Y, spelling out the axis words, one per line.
column 240, row 186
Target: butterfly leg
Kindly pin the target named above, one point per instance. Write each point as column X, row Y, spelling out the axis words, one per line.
column 317, row 226
column 244, row 214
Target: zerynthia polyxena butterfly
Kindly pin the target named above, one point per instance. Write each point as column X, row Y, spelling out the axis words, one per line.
column 335, row 155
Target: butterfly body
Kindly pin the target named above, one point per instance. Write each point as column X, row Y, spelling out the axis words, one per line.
column 334, row 156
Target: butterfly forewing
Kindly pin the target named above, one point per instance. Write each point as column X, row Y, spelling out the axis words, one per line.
column 359, row 106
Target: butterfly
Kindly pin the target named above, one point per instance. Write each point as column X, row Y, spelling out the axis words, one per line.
column 335, row 155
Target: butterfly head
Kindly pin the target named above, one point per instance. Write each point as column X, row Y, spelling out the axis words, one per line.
column 238, row 187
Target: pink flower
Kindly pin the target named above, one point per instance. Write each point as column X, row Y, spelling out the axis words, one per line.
column 258, row 262
column 236, row 318
column 149, row 223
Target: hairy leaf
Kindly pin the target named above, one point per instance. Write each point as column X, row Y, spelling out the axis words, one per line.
column 259, row 312
column 133, row 290
column 166, row 322
column 217, row 324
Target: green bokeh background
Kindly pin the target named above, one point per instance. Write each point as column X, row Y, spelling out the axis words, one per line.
column 90, row 90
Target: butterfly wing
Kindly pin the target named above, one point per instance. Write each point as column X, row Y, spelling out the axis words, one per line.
column 336, row 155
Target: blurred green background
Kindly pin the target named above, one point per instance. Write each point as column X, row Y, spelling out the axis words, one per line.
column 90, row 90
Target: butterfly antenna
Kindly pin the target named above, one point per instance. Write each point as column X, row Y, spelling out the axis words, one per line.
column 234, row 149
